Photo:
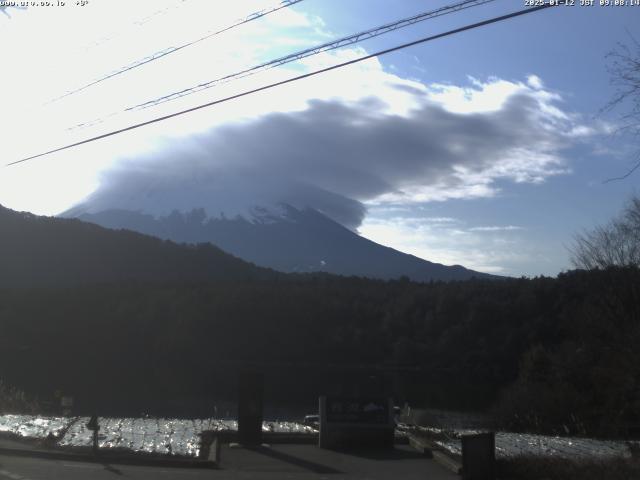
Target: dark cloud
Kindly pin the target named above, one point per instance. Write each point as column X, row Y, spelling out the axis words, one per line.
column 334, row 156
column 415, row 91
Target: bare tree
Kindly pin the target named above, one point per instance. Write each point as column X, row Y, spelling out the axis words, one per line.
column 615, row 244
column 624, row 71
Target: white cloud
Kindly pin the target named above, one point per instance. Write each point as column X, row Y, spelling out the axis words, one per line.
column 484, row 249
column 478, row 97
column 496, row 228
column 535, row 82
column 360, row 132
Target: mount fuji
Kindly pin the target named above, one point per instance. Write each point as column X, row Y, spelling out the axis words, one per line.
column 281, row 236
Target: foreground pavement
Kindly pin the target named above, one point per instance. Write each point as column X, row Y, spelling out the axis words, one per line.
column 275, row 462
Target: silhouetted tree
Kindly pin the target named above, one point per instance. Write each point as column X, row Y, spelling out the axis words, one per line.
column 624, row 72
column 615, row 244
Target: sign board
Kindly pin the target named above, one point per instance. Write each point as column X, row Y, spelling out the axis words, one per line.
column 354, row 423
column 354, row 410
column 66, row 402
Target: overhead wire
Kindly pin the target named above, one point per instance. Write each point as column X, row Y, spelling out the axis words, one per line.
column 296, row 78
column 325, row 47
column 139, row 22
column 169, row 50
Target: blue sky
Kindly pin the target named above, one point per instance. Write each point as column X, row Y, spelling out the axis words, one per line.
column 566, row 48
column 511, row 210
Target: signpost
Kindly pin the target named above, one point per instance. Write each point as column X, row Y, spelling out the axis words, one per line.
column 352, row 423
column 94, row 426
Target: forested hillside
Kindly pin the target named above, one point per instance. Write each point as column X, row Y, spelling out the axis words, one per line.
column 127, row 322
column 548, row 354
column 45, row 251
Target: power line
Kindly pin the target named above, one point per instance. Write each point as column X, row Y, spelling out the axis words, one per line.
column 628, row 174
column 157, row 13
column 293, row 79
column 325, row 47
column 139, row 22
column 170, row 50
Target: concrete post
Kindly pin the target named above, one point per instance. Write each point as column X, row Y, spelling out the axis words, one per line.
column 478, row 456
column 250, row 406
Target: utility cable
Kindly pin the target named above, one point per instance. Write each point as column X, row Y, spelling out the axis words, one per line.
column 293, row 79
column 170, row 50
column 342, row 42
column 334, row 44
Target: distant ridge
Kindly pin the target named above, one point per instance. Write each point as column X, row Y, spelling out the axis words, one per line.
column 42, row 251
column 283, row 238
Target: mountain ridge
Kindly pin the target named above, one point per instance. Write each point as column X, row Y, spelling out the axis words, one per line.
column 287, row 239
column 39, row 251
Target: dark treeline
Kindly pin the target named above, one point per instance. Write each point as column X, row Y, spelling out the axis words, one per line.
column 129, row 323
column 38, row 251
column 547, row 354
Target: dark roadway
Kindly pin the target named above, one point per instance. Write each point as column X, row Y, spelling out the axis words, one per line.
column 276, row 462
